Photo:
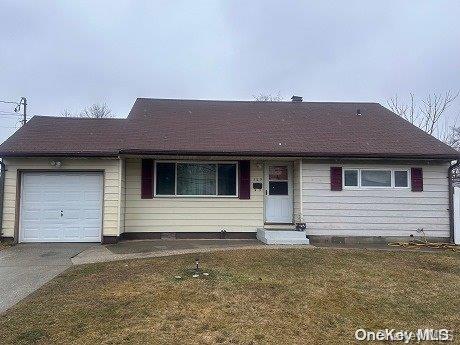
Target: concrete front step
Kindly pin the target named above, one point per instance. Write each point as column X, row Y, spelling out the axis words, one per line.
column 282, row 237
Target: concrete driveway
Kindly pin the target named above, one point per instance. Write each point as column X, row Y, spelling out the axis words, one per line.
column 26, row 267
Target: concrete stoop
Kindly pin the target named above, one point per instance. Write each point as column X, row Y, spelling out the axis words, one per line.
column 282, row 236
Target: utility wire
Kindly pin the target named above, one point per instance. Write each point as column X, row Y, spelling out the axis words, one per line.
column 9, row 102
column 6, row 114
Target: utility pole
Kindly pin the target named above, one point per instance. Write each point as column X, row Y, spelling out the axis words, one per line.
column 22, row 102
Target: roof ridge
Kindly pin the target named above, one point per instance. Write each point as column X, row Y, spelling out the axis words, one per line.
column 251, row 101
column 76, row 117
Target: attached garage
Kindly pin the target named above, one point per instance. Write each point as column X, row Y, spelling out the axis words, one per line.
column 61, row 207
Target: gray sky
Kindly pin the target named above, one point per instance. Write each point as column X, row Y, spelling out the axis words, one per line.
column 69, row 54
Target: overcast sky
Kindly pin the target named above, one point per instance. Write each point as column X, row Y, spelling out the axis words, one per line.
column 70, row 54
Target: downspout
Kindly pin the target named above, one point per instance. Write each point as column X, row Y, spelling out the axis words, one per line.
column 2, row 189
column 451, row 199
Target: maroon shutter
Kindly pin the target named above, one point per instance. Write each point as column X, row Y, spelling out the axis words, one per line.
column 416, row 177
column 147, row 179
column 336, row 178
column 244, row 187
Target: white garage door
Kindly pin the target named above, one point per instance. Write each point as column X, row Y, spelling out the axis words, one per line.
column 61, row 207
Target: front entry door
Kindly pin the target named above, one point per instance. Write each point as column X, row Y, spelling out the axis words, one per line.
column 278, row 193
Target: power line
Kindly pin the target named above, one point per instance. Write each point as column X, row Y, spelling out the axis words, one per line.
column 9, row 114
column 9, row 102
column 23, row 102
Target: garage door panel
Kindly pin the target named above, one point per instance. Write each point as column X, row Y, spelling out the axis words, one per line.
column 51, row 196
column 45, row 195
column 31, row 215
column 32, row 233
column 92, row 196
column 92, row 179
column 51, row 232
column 72, row 214
column 33, row 180
column 32, row 224
column 91, row 232
column 91, row 205
column 72, row 232
column 32, row 197
column 72, row 196
column 52, row 215
column 92, row 214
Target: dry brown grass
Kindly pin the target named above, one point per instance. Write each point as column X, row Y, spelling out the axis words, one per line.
column 292, row 296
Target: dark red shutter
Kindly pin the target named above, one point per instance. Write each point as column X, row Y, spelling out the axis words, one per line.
column 244, row 187
column 416, row 177
column 147, row 179
column 336, row 178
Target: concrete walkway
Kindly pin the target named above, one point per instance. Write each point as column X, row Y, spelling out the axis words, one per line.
column 158, row 248
column 26, row 267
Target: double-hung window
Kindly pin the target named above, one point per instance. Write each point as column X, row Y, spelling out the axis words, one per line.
column 195, row 179
column 375, row 178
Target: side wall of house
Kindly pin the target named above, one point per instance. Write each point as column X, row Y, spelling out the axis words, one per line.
column 189, row 214
column 375, row 212
column 297, row 180
column 122, row 208
column 110, row 167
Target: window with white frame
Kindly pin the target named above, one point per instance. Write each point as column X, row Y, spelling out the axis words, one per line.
column 375, row 178
column 195, row 179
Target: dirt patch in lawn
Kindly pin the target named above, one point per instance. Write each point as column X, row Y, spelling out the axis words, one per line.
column 4, row 245
column 289, row 296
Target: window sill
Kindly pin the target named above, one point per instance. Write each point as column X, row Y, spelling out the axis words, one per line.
column 375, row 188
column 196, row 196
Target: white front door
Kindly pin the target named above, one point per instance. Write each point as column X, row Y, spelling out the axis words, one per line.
column 61, row 207
column 278, row 193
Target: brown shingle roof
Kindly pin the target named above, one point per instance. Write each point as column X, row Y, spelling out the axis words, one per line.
column 46, row 135
column 156, row 126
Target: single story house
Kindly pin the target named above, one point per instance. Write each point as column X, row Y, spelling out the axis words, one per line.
column 212, row 169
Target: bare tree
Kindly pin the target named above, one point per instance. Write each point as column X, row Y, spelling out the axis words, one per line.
column 428, row 114
column 98, row 111
column 452, row 137
column 267, row 97
column 66, row 113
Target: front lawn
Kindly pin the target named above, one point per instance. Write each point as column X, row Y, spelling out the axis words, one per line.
column 290, row 296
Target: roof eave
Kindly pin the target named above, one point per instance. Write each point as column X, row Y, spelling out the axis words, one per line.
column 293, row 154
column 325, row 155
column 58, row 154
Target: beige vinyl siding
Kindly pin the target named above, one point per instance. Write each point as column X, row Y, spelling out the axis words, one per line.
column 190, row 214
column 297, row 178
column 110, row 167
column 375, row 212
column 122, row 176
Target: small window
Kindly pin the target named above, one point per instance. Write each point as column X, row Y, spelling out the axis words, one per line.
column 401, row 178
column 373, row 178
column 278, row 173
column 351, row 178
column 227, row 179
column 278, row 188
column 166, row 178
column 376, row 178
